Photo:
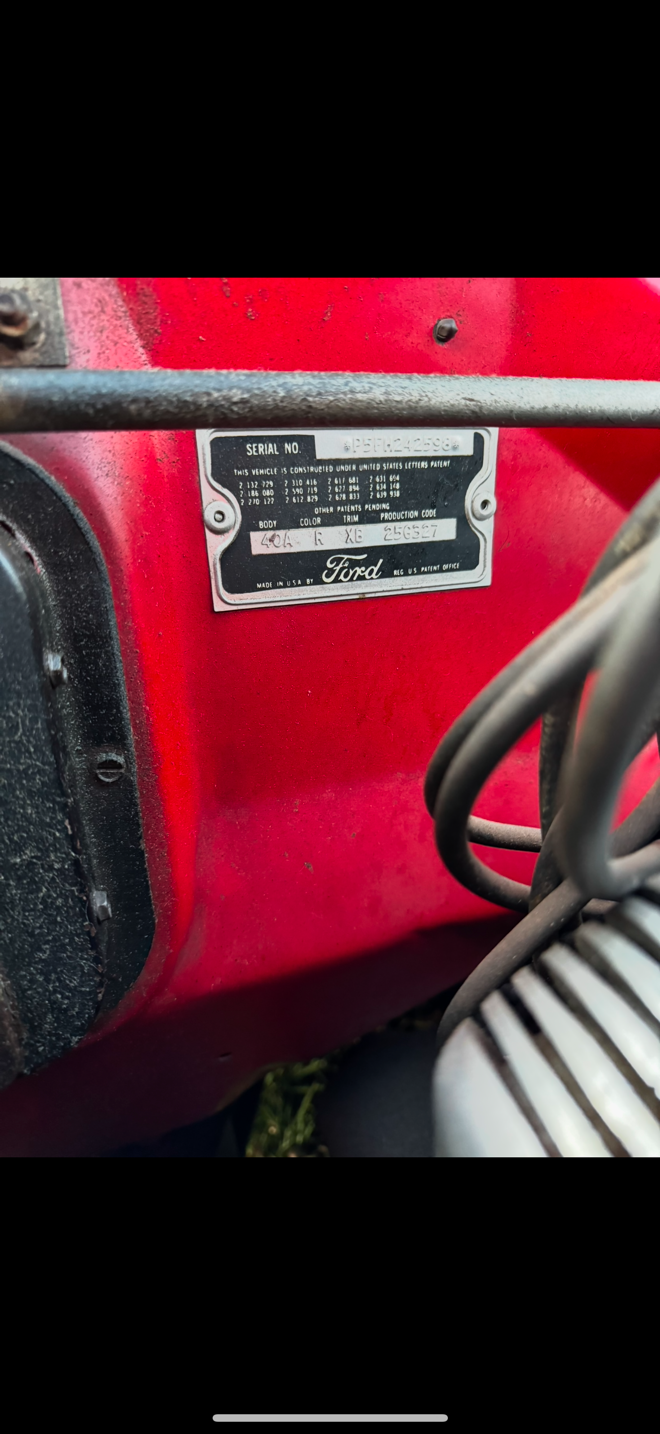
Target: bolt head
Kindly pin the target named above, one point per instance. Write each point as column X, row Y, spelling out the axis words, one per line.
column 444, row 330
column 19, row 320
column 109, row 767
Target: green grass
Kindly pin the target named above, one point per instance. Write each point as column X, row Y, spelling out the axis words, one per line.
column 285, row 1122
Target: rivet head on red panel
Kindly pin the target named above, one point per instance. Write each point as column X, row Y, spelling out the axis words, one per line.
column 444, row 330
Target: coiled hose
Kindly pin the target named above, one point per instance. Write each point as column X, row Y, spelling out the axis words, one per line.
column 613, row 627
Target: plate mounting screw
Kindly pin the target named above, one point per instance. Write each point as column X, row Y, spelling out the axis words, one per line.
column 219, row 516
column 483, row 506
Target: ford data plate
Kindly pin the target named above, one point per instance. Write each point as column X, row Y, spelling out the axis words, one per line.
column 324, row 514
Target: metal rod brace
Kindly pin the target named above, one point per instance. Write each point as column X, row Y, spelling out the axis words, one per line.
column 49, row 401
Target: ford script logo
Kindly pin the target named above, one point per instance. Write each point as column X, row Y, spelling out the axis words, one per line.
column 340, row 566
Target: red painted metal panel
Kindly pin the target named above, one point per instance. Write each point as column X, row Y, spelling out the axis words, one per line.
column 298, row 894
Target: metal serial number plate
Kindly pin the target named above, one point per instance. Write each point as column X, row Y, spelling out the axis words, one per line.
column 316, row 516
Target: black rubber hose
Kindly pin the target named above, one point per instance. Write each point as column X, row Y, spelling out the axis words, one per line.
column 638, row 529
column 560, row 666
column 451, row 786
column 556, row 728
column 545, row 922
column 503, row 835
column 463, row 726
column 530, row 935
column 549, row 870
column 625, row 698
